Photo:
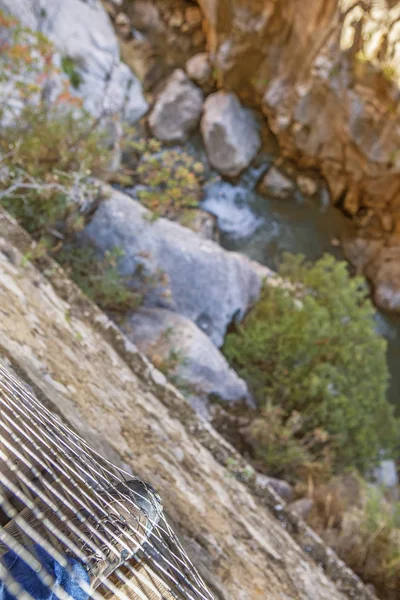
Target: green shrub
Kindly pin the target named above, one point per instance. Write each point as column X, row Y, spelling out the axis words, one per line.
column 312, row 348
column 49, row 139
column 45, row 147
column 99, row 278
column 172, row 178
column 284, row 449
column 47, row 151
column 68, row 65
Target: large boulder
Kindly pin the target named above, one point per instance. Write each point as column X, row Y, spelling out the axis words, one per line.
column 230, row 133
column 177, row 110
column 193, row 276
column 81, row 30
column 187, row 356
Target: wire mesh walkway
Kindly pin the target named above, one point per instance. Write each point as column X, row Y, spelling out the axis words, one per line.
column 64, row 505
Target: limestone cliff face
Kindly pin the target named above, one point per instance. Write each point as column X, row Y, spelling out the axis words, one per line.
column 326, row 75
column 82, row 366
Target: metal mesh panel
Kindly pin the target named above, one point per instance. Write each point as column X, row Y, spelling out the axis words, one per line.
column 63, row 504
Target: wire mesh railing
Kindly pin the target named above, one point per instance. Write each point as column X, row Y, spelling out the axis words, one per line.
column 72, row 524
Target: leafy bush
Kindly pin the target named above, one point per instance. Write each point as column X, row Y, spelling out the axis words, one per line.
column 99, row 278
column 44, row 126
column 311, row 347
column 45, row 133
column 282, row 447
column 171, row 178
column 68, row 65
column 48, row 147
column 47, row 139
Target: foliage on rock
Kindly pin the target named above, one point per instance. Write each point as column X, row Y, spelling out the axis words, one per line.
column 169, row 179
column 311, row 348
column 46, row 135
column 43, row 123
column 99, row 278
column 69, row 67
column 49, row 146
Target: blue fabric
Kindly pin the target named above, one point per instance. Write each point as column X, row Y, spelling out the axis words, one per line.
column 67, row 578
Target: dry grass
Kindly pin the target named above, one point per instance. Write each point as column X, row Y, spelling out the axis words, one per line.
column 363, row 527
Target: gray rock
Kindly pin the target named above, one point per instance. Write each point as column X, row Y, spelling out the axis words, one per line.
column 386, row 474
column 207, row 284
column 145, row 17
column 177, row 110
column 83, row 32
column 187, row 354
column 281, row 487
column 198, row 67
column 302, row 508
column 277, row 185
column 230, row 133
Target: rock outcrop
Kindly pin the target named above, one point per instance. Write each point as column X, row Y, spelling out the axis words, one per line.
column 82, row 32
column 281, row 487
column 192, row 276
column 230, row 133
column 177, row 110
column 380, row 262
column 96, row 380
column 384, row 272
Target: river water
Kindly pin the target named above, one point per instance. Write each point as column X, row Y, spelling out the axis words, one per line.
column 263, row 228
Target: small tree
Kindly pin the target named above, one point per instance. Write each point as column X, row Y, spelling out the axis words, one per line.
column 312, row 348
column 48, row 142
column 49, row 145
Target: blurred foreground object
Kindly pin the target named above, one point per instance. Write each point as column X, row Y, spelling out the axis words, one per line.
column 72, row 524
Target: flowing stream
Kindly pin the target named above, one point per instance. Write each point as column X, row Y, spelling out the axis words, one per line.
column 263, row 228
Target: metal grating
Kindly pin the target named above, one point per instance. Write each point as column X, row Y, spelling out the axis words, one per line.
column 73, row 523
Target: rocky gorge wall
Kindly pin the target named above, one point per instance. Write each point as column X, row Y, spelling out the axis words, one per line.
column 326, row 76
